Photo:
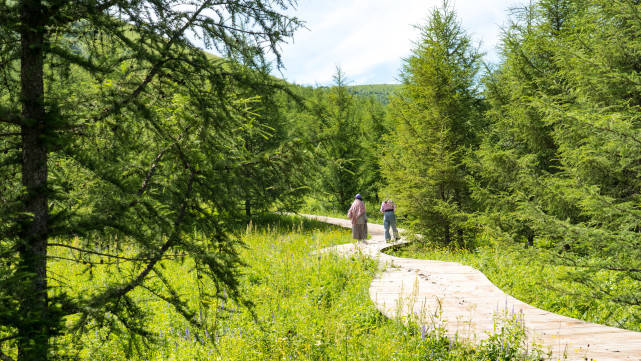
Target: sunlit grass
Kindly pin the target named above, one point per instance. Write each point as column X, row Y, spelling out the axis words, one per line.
column 307, row 306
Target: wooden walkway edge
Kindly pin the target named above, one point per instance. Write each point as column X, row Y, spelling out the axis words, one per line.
column 466, row 303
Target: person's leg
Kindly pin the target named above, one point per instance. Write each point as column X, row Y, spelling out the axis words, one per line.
column 393, row 225
column 386, row 225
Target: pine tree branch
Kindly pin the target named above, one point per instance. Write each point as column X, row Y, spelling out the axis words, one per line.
column 13, row 147
column 560, row 110
column 154, row 165
column 88, row 251
column 174, row 299
column 155, row 69
column 634, row 139
column 114, row 294
column 7, row 338
column 72, row 58
column 5, row 357
column 108, row 255
column 9, row 115
column 573, row 262
column 14, row 134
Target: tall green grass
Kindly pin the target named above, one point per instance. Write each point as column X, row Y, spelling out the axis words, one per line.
column 307, row 306
column 528, row 275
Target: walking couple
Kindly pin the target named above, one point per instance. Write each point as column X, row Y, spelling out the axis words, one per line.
column 358, row 215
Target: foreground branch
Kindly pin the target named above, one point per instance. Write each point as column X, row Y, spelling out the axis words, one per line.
column 4, row 357
column 120, row 292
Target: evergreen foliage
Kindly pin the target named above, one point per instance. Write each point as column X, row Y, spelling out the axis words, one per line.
column 375, row 126
column 559, row 167
column 118, row 137
column 348, row 130
column 123, row 145
column 437, row 115
column 341, row 148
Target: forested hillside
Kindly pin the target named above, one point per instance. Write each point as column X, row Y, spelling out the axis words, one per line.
column 381, row 92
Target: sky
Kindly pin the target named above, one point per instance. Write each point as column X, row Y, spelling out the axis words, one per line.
column 368, row 39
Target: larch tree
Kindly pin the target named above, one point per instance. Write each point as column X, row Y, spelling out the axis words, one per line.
column 375, row 125
column 519, row 150
column 121, row 141
column 340, row 146
column 596, row 125
column 437, row 116
column 559, row 167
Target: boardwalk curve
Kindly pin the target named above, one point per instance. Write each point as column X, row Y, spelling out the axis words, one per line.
column 466, row 302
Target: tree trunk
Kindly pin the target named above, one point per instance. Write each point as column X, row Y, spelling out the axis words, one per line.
column 530, row 240
column 447, row 234
column 34, row 331
column 248, row 208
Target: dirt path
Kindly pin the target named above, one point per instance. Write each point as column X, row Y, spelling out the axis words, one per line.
column 463, row 300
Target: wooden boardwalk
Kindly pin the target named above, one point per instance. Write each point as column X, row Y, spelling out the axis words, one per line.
column 461, row 299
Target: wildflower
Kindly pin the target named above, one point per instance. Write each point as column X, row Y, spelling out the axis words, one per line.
column 423, row 333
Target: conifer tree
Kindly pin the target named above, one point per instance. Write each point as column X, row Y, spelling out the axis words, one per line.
column 341, row 147
column 560, row 165
column 436, row 113
column 595, row 117
column 519, row 150
column 374, row 127
column 117, row 133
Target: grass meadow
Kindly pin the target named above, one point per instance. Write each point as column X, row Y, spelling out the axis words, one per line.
column 307, row 306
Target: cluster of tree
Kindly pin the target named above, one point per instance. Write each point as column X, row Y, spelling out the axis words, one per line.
column 347, row 131
column 543, row 148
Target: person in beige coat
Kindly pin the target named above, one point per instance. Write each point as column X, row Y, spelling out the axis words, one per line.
column 358, row 215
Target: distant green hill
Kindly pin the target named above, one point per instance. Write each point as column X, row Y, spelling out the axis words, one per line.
column 378, row 91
